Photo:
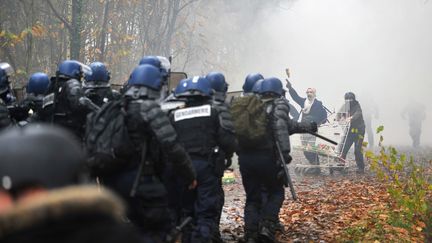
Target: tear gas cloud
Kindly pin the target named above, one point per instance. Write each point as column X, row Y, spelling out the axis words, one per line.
column 379, row 49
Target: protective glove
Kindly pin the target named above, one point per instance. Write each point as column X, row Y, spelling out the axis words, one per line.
column 281, row 177
column 313, row 127
column 287, row 158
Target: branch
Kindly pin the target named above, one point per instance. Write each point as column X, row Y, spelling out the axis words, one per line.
column 186, row 4
column 65, row 22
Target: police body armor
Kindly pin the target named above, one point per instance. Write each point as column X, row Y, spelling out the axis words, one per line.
column 197, row 129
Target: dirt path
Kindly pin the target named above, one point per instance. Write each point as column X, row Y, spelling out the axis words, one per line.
column 326, row 206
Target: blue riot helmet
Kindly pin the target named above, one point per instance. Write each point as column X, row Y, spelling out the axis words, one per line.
column 219, row 85
column 162, row 63
column 38, row 84
column 99, row 77
column 181, row 86
column 145, row 80
column 250, row 81
column 71, row 69
column 151, row 60
column 146, row 75
column 257, row 86
column 271, row 86
column 217, row 82
column 196, row 86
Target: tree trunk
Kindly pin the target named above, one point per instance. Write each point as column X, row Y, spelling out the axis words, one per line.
column 102, row 43
column 75, row 35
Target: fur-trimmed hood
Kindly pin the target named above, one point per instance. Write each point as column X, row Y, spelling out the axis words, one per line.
column 56, row 204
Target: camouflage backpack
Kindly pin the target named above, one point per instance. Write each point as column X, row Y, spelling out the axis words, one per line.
column 250, row 121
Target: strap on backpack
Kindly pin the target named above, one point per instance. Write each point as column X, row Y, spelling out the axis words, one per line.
column 143, row 162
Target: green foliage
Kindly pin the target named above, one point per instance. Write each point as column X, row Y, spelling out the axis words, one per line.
column 408, row 184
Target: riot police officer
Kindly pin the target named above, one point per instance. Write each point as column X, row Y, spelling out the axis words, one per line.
column 36, row 88
column 65, row 103
column 258, row 166
column 223, row 160
column 154, row 141
column 202, row 129
column 96, row 85
column 26, row 110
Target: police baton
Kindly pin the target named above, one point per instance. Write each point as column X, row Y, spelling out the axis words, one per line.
column 323, row 138
column 284, row 166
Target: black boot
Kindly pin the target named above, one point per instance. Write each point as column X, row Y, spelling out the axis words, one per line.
column 279, row 227
column 251, row 237
column 267, row 232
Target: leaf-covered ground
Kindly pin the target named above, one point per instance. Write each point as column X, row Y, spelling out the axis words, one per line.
column 339, row 208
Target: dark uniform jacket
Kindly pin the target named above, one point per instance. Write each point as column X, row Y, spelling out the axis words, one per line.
column 62, row 105
column 356, row 114
column 281, row 126
column 146, row 121
column 4, row 116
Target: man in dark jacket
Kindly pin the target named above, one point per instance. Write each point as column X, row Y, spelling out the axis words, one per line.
column 311, row 110
column 355, row 131
column 40, row 168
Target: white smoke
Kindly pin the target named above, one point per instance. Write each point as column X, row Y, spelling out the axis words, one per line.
column 379, row 49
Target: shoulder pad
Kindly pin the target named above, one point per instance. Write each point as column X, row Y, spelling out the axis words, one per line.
column 225, row 118
column 281, row 107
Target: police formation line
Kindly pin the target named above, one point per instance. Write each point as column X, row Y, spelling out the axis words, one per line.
column 162, row 168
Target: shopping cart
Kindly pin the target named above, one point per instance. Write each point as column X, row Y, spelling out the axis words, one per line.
column 327, row 156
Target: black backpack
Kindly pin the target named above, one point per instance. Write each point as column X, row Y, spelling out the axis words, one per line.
column 107, row 140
